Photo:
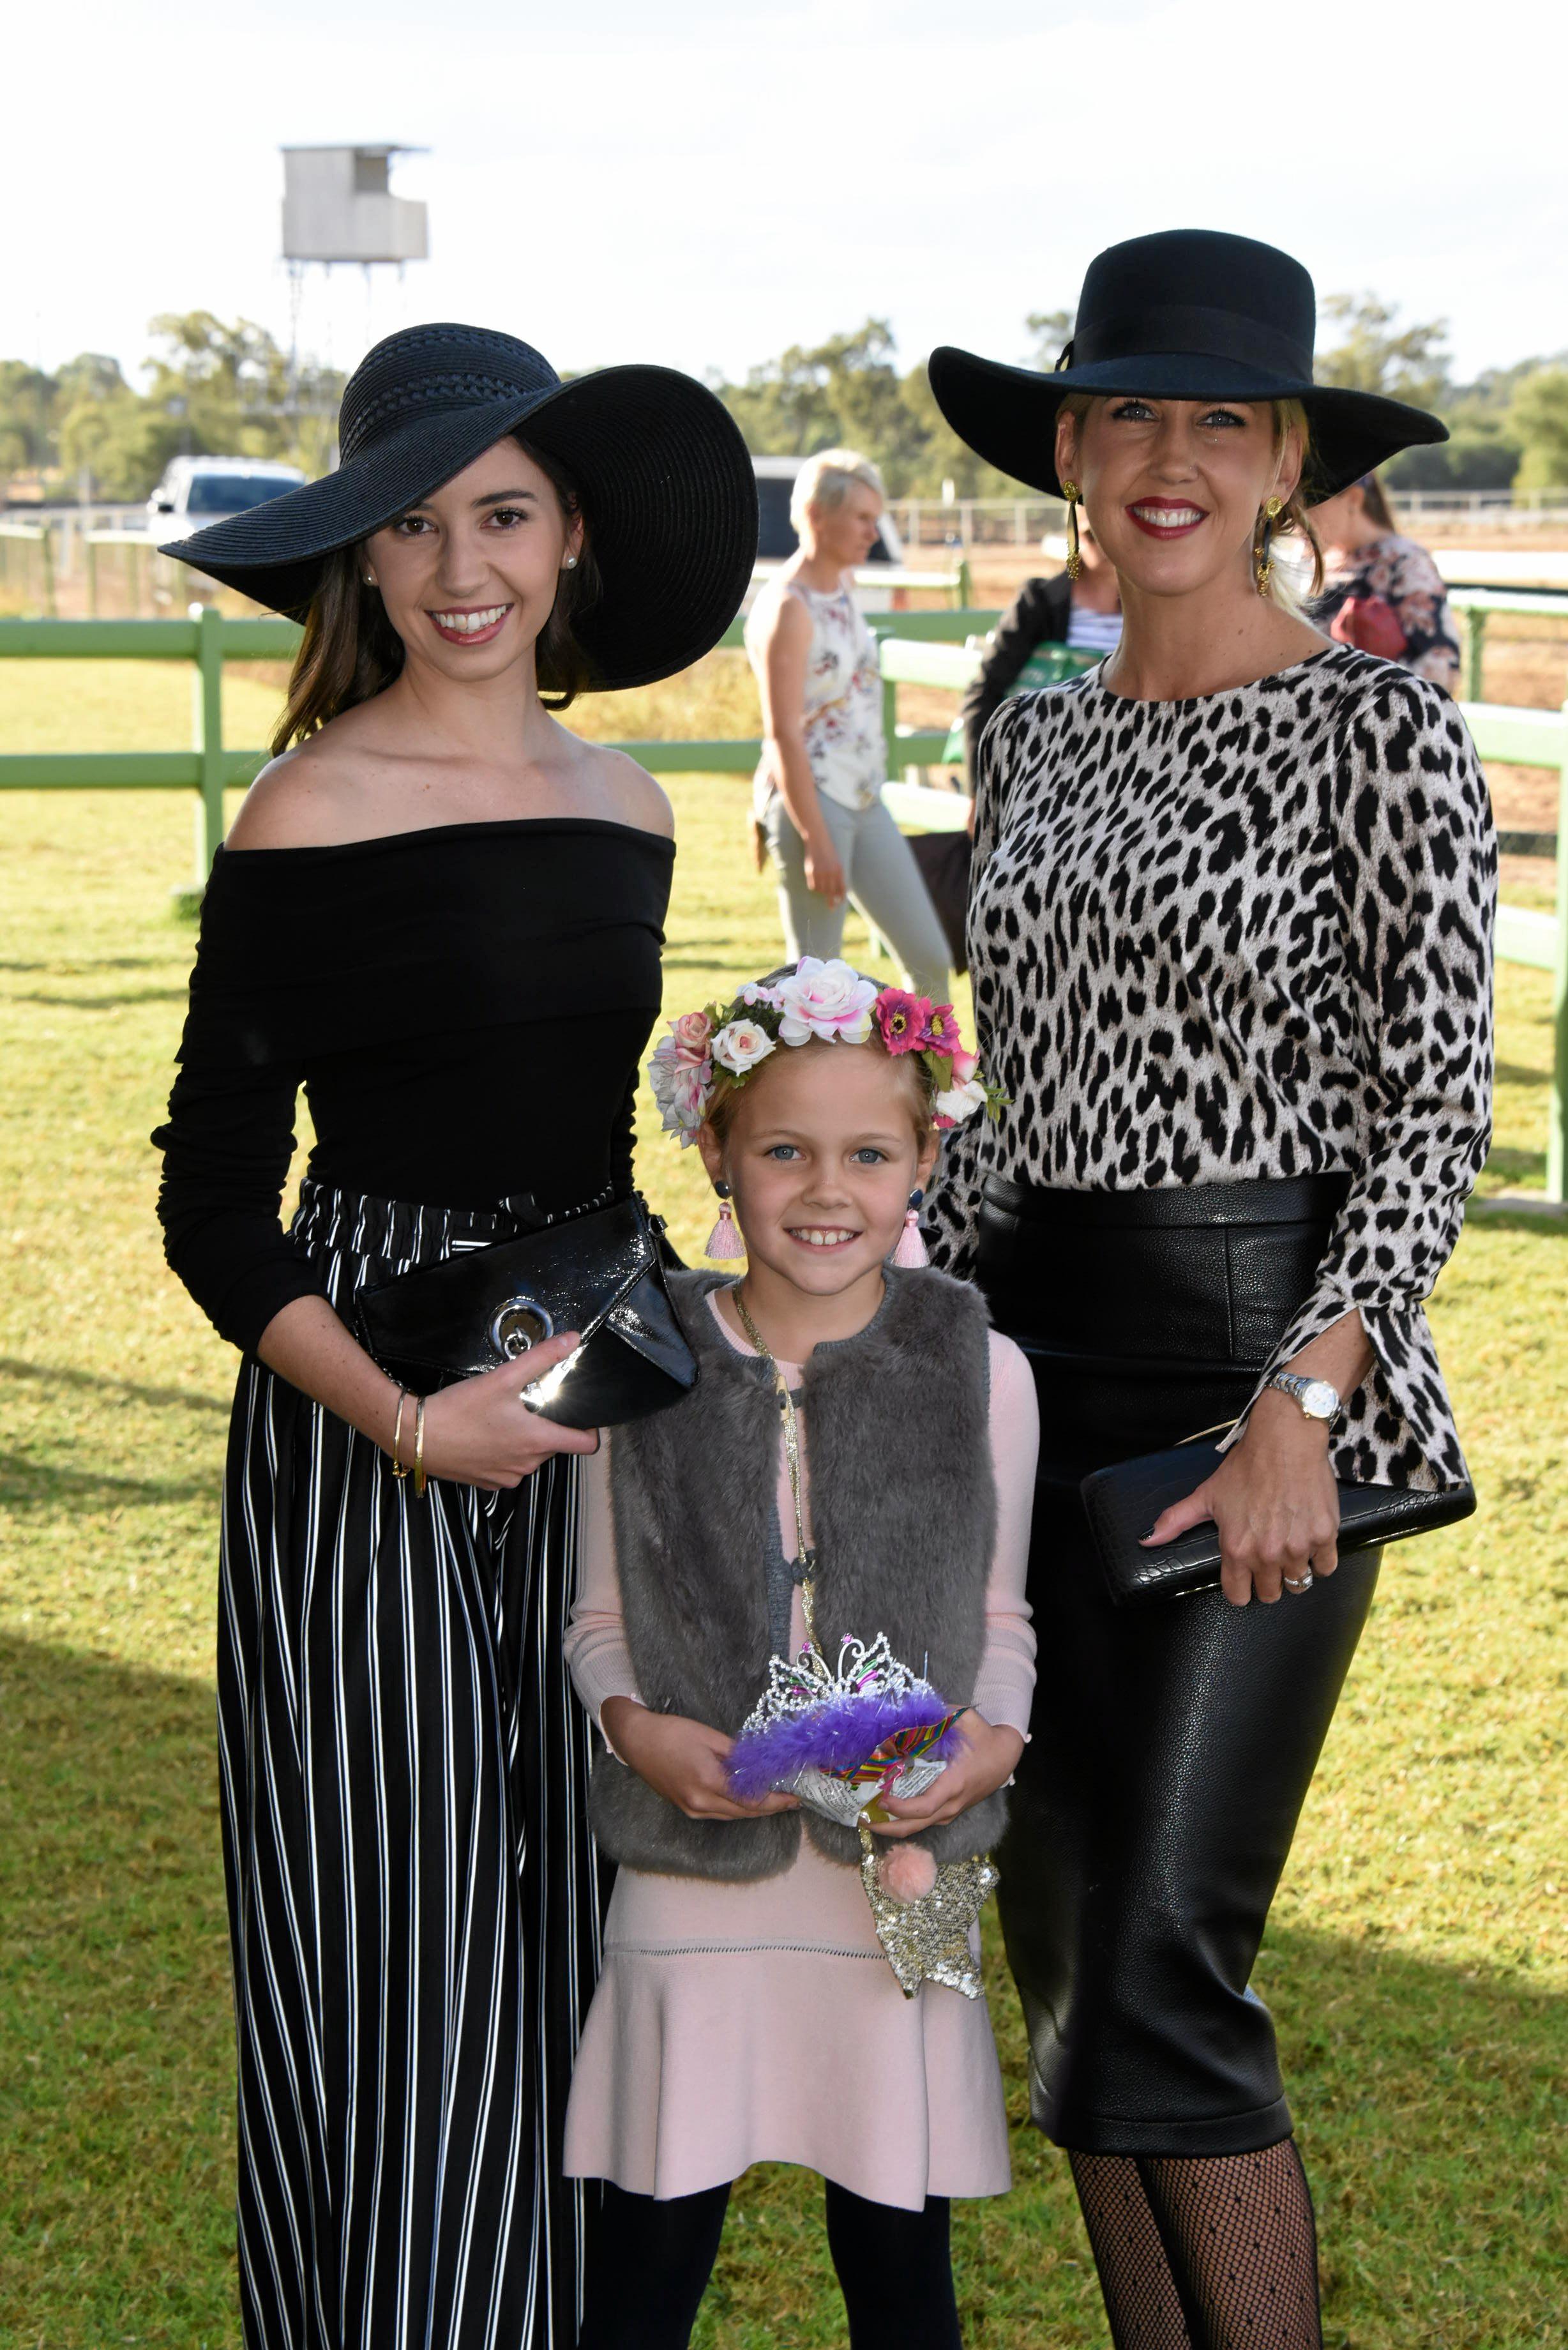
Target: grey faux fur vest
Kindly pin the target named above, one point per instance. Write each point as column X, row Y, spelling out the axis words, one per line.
column 903, row 1508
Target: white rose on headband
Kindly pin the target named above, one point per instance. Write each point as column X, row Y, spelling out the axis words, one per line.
column 825, row 999
column 961, row 1102
column 740, row 1045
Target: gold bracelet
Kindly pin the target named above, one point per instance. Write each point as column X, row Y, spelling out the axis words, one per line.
column 400, row 1468
column 420, row 1450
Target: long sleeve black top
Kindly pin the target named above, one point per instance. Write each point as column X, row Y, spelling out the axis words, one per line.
column 1038, row 615
column 466, row 1008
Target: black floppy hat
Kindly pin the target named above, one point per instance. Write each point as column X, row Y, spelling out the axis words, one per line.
column 1190, row 314
column 665, row 485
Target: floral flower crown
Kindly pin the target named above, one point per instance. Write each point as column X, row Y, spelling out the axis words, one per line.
column 724, row 1044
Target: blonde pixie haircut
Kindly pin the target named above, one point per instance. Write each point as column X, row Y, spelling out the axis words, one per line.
column 1289, row 415
column 826, row 479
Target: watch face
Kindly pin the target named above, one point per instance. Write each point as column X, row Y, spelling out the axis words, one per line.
column 1319, row 1401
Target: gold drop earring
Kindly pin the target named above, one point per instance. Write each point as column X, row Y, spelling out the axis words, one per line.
column 1074, row 558
column 1263, row 561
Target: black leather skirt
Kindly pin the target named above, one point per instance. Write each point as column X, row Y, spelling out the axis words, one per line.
column 1172, row 1746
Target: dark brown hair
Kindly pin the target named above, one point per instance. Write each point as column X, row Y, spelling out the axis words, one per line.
column 351, row 651
column 1374, row 498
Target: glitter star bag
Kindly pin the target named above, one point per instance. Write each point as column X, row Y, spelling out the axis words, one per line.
column 839, row 1739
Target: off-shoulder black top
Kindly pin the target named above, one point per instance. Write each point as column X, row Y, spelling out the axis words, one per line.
column 464, row 1006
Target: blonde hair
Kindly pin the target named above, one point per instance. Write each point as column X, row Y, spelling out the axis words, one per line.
column 1289, row 416
column 826, row 479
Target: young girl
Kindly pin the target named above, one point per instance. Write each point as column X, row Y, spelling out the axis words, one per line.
column 747, row 2012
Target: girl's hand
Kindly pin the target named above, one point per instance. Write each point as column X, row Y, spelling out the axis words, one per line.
column 985, row 1761
column 479, row 1431
column 1274, row 1501
column 823, row 868
column 681, row 1760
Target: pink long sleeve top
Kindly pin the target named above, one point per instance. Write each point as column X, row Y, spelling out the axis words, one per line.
column 758, row 2022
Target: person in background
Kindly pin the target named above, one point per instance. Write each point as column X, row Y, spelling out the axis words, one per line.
column 819, row 794
column 1382, row 592
column 1084, row 614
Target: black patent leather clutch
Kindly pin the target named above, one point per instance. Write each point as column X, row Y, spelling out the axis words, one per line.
column 600, row 1275
column 1123, row 1503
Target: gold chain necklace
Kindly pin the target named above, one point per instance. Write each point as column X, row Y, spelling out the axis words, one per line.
column 806, row 1557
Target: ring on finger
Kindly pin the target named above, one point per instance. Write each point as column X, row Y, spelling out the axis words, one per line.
column 1301, row 1583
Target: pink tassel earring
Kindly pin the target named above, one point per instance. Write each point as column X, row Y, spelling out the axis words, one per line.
column 911, row 1251
column 724, row 1242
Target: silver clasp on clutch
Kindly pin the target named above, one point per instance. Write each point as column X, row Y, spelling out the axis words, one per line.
column 519, row 1324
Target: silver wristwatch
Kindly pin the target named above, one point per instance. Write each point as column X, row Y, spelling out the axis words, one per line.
column 1317, row 1399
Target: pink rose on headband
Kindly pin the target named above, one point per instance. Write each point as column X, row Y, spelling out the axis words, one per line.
column 902, row 1018
column 965, row 1066
column 691, row 1034
column 740, row 1045
column 825, row 999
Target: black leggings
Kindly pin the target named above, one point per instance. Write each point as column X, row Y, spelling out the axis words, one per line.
column 648, row 2265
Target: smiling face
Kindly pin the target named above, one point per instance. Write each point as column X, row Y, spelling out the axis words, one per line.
column 822, row 1151
column 845, row 535
column 469, row 577
column 1173, row 487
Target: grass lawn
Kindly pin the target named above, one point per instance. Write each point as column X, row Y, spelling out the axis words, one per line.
column 1415, row 1961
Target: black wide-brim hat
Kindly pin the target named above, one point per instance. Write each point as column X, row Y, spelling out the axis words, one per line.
column 1190, row 314
column 665, row 485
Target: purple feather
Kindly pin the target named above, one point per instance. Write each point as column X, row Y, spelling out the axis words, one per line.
column 836, row 1736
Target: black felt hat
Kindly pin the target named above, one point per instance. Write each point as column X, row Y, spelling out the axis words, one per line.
column 1190, row 314
column 665, row 485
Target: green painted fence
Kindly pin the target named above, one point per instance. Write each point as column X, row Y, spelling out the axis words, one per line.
column 208, row 639
column 925, row 647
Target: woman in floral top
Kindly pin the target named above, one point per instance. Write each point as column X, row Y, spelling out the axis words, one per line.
column 818, row 795
column 1382, row 593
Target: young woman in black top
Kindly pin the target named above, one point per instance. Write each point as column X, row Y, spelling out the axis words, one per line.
column 441, row 913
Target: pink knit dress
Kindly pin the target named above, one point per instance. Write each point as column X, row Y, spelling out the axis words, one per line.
column 760, row 2023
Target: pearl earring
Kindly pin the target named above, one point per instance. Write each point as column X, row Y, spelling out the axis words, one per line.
column 570, row 564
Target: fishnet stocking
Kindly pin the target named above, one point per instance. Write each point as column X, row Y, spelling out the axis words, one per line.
column 1204, row 2252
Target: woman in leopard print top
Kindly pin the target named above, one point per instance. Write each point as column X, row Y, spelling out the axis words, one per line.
column 1229, row 938
column 1248, row 934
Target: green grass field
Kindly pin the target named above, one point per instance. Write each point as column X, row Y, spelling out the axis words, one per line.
column 1415, row 1961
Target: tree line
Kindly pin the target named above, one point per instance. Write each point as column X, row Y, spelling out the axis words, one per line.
column 222, row 389
column 211, row 390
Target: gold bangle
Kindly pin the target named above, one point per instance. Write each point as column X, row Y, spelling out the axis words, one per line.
column 400, row 1468
column 420, row 1450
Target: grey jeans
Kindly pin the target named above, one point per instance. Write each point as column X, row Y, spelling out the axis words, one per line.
column 882, row 877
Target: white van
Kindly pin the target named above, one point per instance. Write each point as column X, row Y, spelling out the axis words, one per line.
column 196, row 491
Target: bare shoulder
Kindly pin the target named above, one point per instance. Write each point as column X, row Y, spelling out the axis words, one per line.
column 311, row 796
column 785, row 619
column 622, row 792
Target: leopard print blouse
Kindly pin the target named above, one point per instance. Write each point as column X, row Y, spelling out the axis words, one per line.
column 1241, row 936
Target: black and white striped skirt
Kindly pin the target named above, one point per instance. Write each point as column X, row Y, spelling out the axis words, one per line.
column 412, row 1886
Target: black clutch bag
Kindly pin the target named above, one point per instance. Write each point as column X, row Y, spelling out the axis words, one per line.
column 601, row 1274
column 1123, row 1501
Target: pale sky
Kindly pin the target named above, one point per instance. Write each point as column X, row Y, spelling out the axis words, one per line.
column 702, row 184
